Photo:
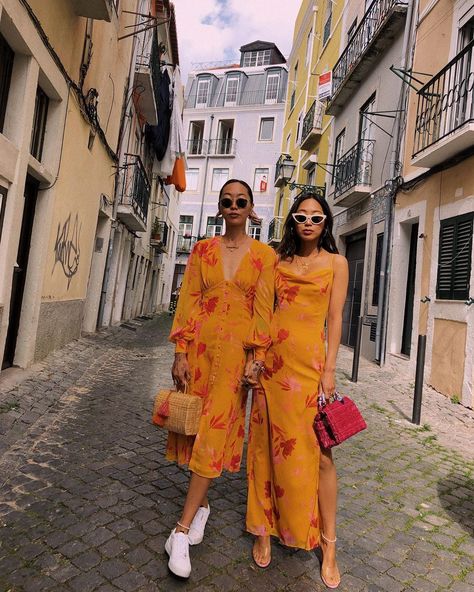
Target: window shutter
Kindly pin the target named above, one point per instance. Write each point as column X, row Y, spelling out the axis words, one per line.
column 454, row 259
column 462, row 263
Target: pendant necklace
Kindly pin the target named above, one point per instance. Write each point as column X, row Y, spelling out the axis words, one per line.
column 303, row 262
column 232, row 247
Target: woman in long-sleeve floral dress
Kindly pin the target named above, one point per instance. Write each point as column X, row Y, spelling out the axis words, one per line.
column 221, row 332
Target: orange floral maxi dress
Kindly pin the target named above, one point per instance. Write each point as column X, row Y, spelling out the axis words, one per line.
column 216, row 320
column 283, row 451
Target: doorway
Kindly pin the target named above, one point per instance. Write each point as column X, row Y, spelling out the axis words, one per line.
column 355, row 252
column 410, row 293
column 20, row 270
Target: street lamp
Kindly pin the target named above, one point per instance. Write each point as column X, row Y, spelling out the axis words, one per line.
column 287, row 168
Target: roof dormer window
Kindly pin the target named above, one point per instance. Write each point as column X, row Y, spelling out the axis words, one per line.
column 257, row 58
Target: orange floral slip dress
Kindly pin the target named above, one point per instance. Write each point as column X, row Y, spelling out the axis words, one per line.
column 283, row 451
column 216, row 320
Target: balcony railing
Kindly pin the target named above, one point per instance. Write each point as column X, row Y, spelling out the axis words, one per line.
column 159, row 235
column 378, row 17
column 135, row 193
column 312, row 125
column 196, row 147
column 445, row 105
column 354, row 169
column 244, row 98
column 185, row 243
column 222, row 147
column 275, row 230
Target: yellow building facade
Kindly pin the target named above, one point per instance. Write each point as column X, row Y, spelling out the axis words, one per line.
column 76, row 89
column 307, row 129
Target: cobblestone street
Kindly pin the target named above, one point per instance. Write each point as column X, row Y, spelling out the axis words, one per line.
column 87, row 498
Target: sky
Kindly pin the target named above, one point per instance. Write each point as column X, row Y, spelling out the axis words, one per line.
column 214, row 30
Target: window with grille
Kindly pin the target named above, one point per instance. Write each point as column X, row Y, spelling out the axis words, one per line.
column 39, row 124
column 6, row 65
column 454, row 258
column 266, row 129
column 271, row 90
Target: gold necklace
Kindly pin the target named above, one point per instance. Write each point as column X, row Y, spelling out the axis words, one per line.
column 303, row 262
column 233, row 247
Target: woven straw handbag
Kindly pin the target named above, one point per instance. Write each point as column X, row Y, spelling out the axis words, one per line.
column 177, row 412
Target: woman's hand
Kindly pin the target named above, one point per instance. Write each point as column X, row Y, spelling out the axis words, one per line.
column 180, row 371
column 327, row 384
column 252, row 371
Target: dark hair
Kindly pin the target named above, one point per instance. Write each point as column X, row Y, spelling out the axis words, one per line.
column 246, row 185
column 290, row 241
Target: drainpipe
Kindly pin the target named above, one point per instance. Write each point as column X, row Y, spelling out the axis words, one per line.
column 205, row 175
column 384, row 286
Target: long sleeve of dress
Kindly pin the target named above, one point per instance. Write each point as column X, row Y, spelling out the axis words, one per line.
column 259, row 339
column 184, row 325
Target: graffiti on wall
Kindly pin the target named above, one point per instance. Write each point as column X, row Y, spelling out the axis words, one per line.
column 66, row 247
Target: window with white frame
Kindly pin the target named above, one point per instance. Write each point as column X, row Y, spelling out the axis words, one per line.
column 309, row 47
column 260, row 180
column 299, row 128
column 272, row 87
column 202, row 95
column 257, row 58
column 311, row 175
column 185, row 226
column 192, row 179
column 214, row 226
column 231, row 90
column 265, row 133
column 219, row 177
column 338, row 152
column 255, row 231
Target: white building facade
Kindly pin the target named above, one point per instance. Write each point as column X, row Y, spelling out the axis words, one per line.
column 233, row 119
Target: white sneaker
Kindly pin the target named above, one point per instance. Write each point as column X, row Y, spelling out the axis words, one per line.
column 177, row 547
column 196, row 530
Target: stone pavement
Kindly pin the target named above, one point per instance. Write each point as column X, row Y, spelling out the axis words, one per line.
column 87, row 499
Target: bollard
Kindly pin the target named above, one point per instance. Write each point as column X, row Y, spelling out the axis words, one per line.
column 355, row 361
column 420, row 370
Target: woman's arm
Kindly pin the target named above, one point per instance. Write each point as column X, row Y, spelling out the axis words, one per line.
column 184, row 324
column 334, row 323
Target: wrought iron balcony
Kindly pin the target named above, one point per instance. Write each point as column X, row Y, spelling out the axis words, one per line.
column 275, row 230
column 222, row 147
column 382, row 21
column 196, row 147
column 159, row 235
column 354, row 174
column 445, row 114
column 185, row 243
column 147, row 76
column 94, row 9
column 134, row 194
column 312, row 126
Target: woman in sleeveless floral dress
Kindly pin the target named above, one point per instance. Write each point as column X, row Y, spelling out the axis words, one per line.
column 292, row 482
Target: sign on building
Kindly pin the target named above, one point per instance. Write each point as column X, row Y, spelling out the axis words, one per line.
column 325, row 85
